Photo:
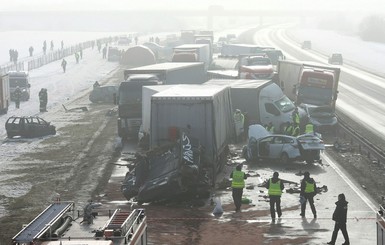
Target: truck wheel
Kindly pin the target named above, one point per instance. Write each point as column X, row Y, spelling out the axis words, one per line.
column 284, row 158
column 9, row 135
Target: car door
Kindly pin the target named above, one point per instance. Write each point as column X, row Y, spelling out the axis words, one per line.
column 264, row 147
column 276, row 147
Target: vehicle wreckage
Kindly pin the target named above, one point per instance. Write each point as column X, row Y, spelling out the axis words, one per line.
column 167, row 172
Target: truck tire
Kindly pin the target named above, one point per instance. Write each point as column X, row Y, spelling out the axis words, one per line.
column 10, row 136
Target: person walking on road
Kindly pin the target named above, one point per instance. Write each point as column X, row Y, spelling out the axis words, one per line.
column 308, row 191
column 77, row 58
column 275, row 187
column 64, row 65
column 239, row 121
column 17, row 96
column 238, row 183
column 339, row 216
column 43, row 98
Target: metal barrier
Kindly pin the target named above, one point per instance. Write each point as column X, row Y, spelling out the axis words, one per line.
column 52, row 56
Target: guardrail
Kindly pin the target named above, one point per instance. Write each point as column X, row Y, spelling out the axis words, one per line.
column 365, row 147
column 41, row 60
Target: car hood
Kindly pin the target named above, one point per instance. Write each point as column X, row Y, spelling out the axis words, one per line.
column 257, row 131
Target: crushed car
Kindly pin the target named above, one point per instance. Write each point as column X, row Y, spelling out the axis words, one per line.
column 168, row 172
column 103, row 94
column 28, row 127
column 322, row 117
column 262, row 145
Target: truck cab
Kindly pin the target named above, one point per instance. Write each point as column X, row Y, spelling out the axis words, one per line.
column 19, row 79
column 129, row 100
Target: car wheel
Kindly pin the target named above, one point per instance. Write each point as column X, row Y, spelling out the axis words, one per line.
column 309, row 161
column 284, row 158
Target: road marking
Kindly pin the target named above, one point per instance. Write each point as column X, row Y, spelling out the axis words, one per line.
column 351, row 184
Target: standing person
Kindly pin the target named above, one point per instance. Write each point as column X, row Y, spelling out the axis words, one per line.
column 77, row 58
column 51, row 45
column 44, row 46
column 239, row 120
column 339, row 216
column 43, row 98
column 30, row 51
column 296, row 130
column 237, row 185
column 270, row 127
column 17, row 96
column 81, row 53
column 64, row 65
column 104, row 52
column 295, row 116
column 62, row 44
column 16, row 56
column 308, row 191
column 246, row 125
column 275, row 187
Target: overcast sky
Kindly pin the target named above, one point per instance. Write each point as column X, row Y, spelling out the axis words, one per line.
column 102, row 5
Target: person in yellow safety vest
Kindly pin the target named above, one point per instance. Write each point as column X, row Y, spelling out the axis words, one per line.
column 295, row 116
column 275, row 187
column 270, row 127
column 237, row 184
column 239, row 121
column 296, row 130
column 289, row 129
column 308, row 191
column 309, row 128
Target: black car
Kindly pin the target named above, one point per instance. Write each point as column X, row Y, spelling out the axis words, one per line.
column 28, row 127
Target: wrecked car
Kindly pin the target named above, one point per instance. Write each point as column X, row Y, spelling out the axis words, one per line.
column 28, row 127
column 167, row 172
column 265, row 146
column 322, row 117
column 103, row 94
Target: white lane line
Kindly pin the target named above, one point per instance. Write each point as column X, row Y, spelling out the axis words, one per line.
column 351, row 184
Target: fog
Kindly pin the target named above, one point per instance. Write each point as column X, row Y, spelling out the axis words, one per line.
column 113, row 5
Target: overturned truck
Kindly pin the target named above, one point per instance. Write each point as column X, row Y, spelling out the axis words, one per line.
column 191, row 127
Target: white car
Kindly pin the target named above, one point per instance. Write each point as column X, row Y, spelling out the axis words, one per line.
column 265, row 146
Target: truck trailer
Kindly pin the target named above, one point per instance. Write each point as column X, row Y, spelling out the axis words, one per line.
column 5, row 95
column 205, row 111
column 263, row 100
column 193, row 53
column 129, row 98
column 309, row 82
column 173, row 72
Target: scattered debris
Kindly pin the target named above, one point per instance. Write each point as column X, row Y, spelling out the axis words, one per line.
column 342, row 147
column 82, row 108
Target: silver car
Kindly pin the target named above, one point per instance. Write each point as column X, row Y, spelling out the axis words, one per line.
column 265, row 146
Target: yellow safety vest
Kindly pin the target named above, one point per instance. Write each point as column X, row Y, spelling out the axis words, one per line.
column 295, row 131
column 275, row 188
column 296, row 118
column 309, row 128
column 238, row 179
column 309, row 187
column 289, row 130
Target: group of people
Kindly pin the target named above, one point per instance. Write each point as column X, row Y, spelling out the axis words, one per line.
column 308, row 190
column 13, row 55
column 43, row 98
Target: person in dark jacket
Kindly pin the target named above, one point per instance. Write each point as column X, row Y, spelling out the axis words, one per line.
column 17, row 95
column 275, row 187
column 43, row 98
column 308, row 191
column 339, row 216
column 238, row 183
